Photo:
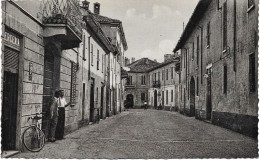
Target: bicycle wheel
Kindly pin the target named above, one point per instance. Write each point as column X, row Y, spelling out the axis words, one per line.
column 33, row 139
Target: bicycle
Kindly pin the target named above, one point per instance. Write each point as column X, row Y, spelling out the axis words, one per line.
column 33, row 137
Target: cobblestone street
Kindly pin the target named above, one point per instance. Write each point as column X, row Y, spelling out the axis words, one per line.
column 149, row 134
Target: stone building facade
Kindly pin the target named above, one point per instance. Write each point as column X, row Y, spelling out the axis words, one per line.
column 219, row 55
column 138, row 83
column 53, row 52
column 163, row 88
column 154, row 83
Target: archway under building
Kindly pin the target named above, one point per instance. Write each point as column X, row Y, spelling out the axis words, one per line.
column 192, row 97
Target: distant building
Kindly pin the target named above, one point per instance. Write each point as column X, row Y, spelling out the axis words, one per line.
column 154, row 83
column 138, row 83
column 219, row 55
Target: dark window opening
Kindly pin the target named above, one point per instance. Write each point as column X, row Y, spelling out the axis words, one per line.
column 225, row 26
column 225, row 80
column 252, row 74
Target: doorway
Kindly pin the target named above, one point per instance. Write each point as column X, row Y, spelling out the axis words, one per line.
column 51, row 82
column 102, row 102
column 92, row 107
column 10, row 99
column 129, row 101
column 83, row 101
column 192, row 97
column 209, row 96
column 155, row 99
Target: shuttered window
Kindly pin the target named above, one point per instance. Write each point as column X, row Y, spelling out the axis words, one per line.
column 73, row 83
column 11, row 59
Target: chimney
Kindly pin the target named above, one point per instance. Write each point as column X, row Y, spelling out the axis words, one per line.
column 155, row 60
column 96, row 8
column 85, row 5
column 133, row 59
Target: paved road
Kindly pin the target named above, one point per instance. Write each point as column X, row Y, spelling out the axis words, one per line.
column 150, row 134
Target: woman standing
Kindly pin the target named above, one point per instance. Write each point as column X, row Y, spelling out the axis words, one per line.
column 61, row 120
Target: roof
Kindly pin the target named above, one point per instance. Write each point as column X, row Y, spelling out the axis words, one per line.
column 105, row 20
column 193, row 21
column 164, row 64
column 142, row 65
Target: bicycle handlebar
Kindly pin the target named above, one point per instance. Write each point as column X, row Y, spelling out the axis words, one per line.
column 36, row 117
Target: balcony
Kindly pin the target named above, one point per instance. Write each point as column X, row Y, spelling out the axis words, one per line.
column 62, row 20
column 129, row 86
column 156, row 84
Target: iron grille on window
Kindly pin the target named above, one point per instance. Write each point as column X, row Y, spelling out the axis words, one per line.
column 172, row 72
column 73, row 83
column 252, row 74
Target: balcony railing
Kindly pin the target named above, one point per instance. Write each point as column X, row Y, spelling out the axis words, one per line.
column 156, row 84
column 62, row 12
column 127, row 85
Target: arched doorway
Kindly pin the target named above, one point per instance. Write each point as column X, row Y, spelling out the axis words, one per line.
column 129, row 101
column 192, row 97
column 51, row 81
column 155, row 99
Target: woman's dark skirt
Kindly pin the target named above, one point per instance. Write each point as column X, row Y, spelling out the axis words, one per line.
column 60, row 125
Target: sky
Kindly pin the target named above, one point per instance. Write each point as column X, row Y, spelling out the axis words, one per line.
column 152, row 27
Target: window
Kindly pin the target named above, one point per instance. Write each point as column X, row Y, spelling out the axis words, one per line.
column 163, row 98
column 143, row 79
column 193, row 49
column 97, row 96
column 252, row 74
column 171, row 95
column 181, row 92
column 251, row 3
column 163, row 75
column 225, row 26
column 97, row 59
column 84, row 47
column 208, row 34
column 198, row 46
column 184, row 59
column 73, row 83
column 159, row 76
column 197, row 86
column 91, row 52
column 102, row 63
column 129, row 80
column 172, row 72
column 142, row 96
column 225, row 80
column 166, row 96
column 154, row 76
column 255, row 39
column 167, row 74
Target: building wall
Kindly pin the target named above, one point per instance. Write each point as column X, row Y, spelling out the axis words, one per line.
column 169, row 84
column 32, row 51
column 137, row 88
column 238, row 107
